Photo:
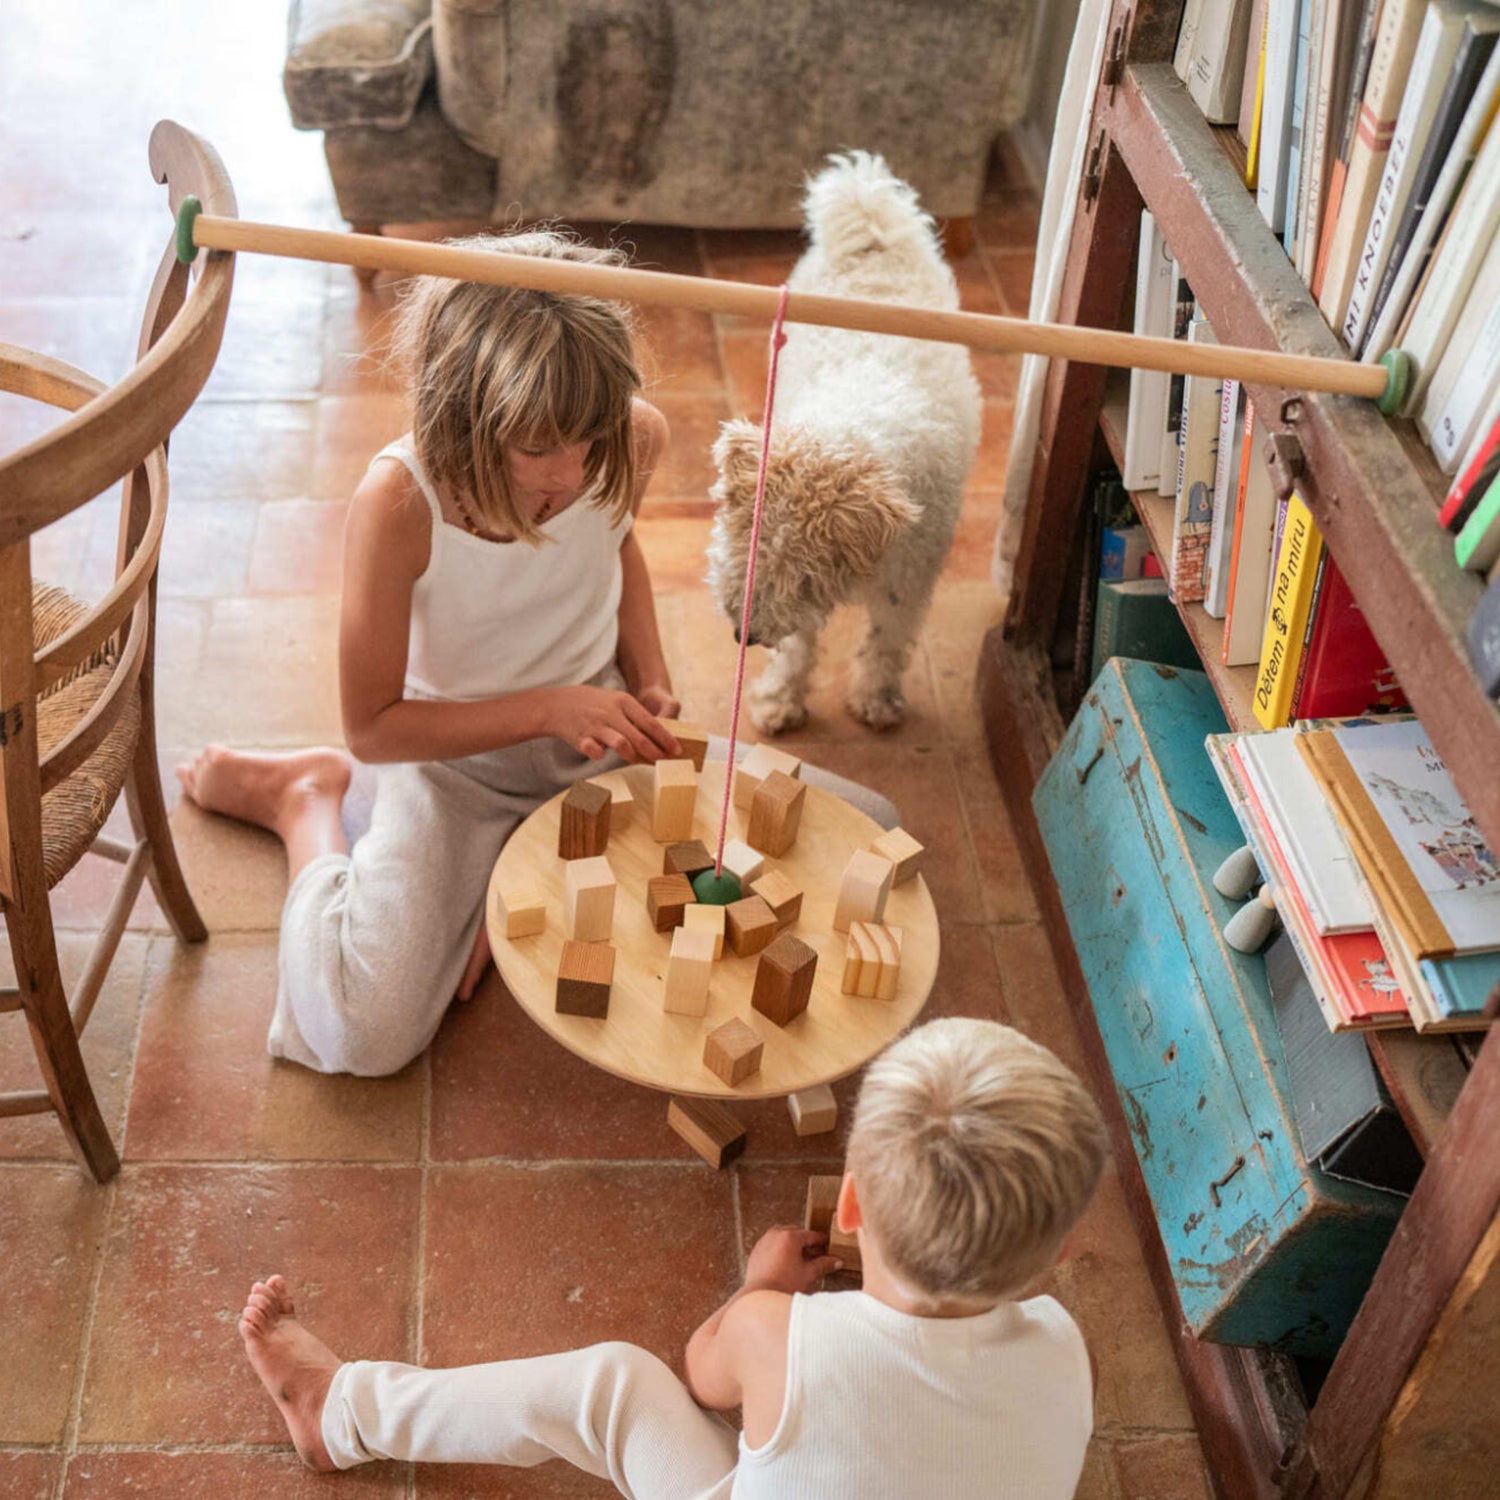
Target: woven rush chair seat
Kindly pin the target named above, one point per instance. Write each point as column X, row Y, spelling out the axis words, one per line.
column 75, row 809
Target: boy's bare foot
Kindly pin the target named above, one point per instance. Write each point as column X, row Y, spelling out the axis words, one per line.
column 294, row 1365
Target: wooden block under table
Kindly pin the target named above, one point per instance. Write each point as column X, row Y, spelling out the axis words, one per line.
column 781, row 895
column 667, row 897
column 692, row 737
column 690, row 966
column 872, row 961
column 673, row 796
column 775, row 813
column 822, row 1203
column 814, row 1111
column 750, row 925
column 903, row 851
column 784, row 979
column 759, row 762
column 710, row 1129
column 584, row 829
column 733, row 1051
column 589, row 912
column 688, row 857
column 706, row 919
column 845, row 1245
column 863, row 890
column 584, row 975
column 523, row 911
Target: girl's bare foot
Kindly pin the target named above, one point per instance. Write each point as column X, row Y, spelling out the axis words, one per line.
column 294, row 1365
column 268, row 790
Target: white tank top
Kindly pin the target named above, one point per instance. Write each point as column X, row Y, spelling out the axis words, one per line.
column 884, row 1406
column 498, row 617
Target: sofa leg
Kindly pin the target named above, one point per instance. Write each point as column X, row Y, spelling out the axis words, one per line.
column 363, row 274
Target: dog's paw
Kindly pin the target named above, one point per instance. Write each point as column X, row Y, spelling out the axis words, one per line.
column 776, row 715
column 879, row 708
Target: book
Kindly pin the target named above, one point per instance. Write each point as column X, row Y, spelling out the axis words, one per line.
column 1187, row 36
column 1459, row 388
column 1291, row 218
column 1182, row 320
column 1197, row 458
column 1252, row 80
column 1252, row 145
column 1136, row 618
column 1286, row 619
column 1149, row 389
column 1217, row 69
column 1252, row 553
column 1322, row 46
column 1390, row 62
column 1343, row 670
column 1225, row 502
column 1276, row 110
column 1122, row 552
column 1437, row 46
column 1463, row 986
column 1480, row 468
column 1483, row 636
column 1477, row 546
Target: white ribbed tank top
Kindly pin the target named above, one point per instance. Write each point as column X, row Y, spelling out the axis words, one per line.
column 498, row 617
column 884, row 1406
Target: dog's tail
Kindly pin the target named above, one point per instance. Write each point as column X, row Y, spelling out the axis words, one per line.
column 857, row 206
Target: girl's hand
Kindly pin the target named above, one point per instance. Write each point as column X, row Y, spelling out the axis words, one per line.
column 787, row 1259
column 596, row 720
column 659, row 701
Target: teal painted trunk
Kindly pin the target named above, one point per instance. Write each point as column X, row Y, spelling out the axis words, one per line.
column 1265, row 1248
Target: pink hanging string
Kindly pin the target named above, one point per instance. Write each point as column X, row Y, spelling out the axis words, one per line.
column 778, row 338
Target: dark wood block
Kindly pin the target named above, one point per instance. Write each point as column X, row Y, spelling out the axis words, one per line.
column 749, row 925
column 775, row 813
column 666, row 898
column 784, row 979
column 689, row 858
column 710, row 1129
column 584, row 975
column 584, row 829
column 733, row 1051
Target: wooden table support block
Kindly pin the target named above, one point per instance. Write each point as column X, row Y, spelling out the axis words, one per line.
column 845, row 1245
column 674, row 795
column 584, row 976
column 692, row 737
column 784, row 979
column 864, row 889
column 822, row 1203
column 586, row 815
column 524, row 913
column 689, row 857
column 589, row 912
column 781, row 895
column 698, row 917
column 759, row 762
column 690, row 966
column 814, row 1111
column 747, row 865
column 903, row 851
column 667, row 897
column 710, row 1129
column 733, row 1051
column 872, row 961
column 775, row 812
column 750, row 925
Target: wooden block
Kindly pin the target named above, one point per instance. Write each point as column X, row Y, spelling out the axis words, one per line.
column 888, row 940
column 667, row 897
column 674, row 795
column 784, row 979
column 689, row 968
column 822, row 1203
column 621, row 807
column 814, row 1111
column 749, row 925
column 698, row 917
column 692, row 737
column 872, row 961
column 903, row 851
column 781, row 895
column 845, row 1245
column 584, row 974
column 863, row 891
column 710, row 1129
column 733, row 1051
column 743, row 862
column 584, row 829
column 523, row 912
column 589, row 913
column 686, row 858
column 759, row 762
column 775, row 812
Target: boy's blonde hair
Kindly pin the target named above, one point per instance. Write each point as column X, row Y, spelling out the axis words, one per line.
column 494, row 367
column 974, row 1151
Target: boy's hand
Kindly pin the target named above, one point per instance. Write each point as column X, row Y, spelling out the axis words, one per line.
column 659, row 701
column 596, row 720
column 788, row 1259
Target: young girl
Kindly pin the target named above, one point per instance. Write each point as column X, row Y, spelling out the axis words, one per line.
column 497, row 640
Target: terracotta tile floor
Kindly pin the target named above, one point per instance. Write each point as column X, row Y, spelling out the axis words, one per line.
column 450, row 1213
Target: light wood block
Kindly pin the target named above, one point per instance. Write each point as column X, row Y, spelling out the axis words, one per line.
column 667, row 897
column 775, row 813
column 903, row 851
column 845, row 1245
column 710, row 1129
column 783, row 896
column 584, row 830
column 621, row 807
column 822, row 1203
column 698, row 917
column 784, row 979
column 733, row 1051
column 585, row 974
column 674, row 795
column 523, row 912
column 692, row 737
column 745, row 863
column 686, row 858
column 749, row 925
column 872, row 961
column 690, row 966
column 589, row 910
column 759, row 762
column 814, row 1111
column 863, row 890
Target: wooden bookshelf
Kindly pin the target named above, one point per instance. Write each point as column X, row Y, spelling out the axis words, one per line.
column 1429, row 1325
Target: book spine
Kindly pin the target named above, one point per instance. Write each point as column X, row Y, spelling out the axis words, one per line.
column 1219, row 58
column 1187, row 37
column 1252, row 146
column 1247, row 437
column 1197, row 449
column 1477, row 546
column 1251, row 76
column 1182, row 320
column 1226, row 491
column 1308, row 633
column 1470, row 348
column 1286, row 621
column 1149, row 389
column 1477, row 381
column 1276, row 111
column 1478, row 473
column 1321, row 68
column 1291, row 222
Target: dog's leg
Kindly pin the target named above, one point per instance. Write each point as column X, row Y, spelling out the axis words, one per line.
column 895, row 617
column 778, row 697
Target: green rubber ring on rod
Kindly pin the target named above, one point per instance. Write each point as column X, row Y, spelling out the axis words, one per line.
column 187, row 211
column 1397, row 363
column 716, row 890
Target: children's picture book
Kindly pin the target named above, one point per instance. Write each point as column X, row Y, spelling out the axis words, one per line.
column 1182, row 320
column 1343, row 670
column 1251, row 556
column 1292, row 585
column 1150, row 389
column 1225, row 502
column 1197, row 459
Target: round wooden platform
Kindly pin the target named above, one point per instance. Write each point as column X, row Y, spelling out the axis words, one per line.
column 638, row 1040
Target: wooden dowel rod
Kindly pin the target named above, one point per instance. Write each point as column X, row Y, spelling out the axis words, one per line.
column 704, row 294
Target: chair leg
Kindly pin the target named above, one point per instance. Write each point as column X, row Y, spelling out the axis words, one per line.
column 34, row 950
column 148, row 816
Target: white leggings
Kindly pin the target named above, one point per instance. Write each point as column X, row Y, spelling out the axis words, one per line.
column 612, row 1410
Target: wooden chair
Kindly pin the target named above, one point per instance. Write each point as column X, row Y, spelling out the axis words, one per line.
column 77, row 716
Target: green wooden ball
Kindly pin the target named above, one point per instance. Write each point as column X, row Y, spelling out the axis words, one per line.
column 716, row 890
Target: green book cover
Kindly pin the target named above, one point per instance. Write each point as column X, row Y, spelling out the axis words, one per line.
column 1136, row 618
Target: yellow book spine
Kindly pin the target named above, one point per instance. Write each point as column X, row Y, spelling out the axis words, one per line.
column 1292, row 590
column 1252, row 155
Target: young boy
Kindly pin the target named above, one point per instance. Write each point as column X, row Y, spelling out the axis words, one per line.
column 973, row 1152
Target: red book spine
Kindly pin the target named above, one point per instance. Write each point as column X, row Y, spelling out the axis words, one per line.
column 1472, row 483
column 1344, row 670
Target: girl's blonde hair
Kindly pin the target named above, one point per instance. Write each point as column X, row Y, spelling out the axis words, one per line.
column 494, row 367
column 974, row 1151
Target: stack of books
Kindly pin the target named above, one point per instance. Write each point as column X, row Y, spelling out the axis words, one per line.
column 1383, row 882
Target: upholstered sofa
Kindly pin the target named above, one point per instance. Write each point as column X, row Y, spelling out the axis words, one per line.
column 697, row 112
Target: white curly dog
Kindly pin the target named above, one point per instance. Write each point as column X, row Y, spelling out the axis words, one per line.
column 872, row 440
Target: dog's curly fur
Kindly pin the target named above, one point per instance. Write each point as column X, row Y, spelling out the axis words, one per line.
column 872, row 440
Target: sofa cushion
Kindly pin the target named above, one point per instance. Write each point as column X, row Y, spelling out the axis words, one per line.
column 356, row 62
